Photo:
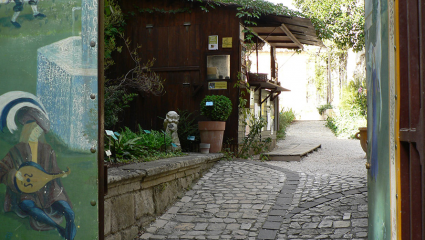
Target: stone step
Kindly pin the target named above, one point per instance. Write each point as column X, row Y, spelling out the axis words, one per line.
column 292, row 152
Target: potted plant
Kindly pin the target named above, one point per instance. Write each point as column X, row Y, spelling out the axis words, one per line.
column 218, row 109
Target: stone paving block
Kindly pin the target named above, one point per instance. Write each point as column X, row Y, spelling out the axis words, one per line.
column 289, row 187
column 297, row 210
column 346, row 216
column 267, row 234
column 216, row 226
column 360, row 222
column 321, row 200
column 184, row 226
column 338, row 233
column 281, row 207
column 196, row 233
column 284, row 200
column 233, row 226
column 277, row 213
column 325, row 224
column 272, row 225
column 201, row 226
column 309, row 204
column 341, row 224
column 310, row 225
column 184, row 218
column 334, row 196
column 361, row 234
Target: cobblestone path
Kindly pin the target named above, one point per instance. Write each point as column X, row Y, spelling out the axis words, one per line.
column 254, row 200
column 322, row 197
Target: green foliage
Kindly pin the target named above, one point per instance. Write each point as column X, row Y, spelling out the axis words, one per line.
column 330, row 123
column 188, row 126
column 341, row 21
column 320, row 78
column 355, row 98
column 352, row 113
column 140, row 146
column 252, row 143
column 286, row 117
column 115, row 102
column 114, row 26
column 346, row 123
column 324, row 107
column 219, row 111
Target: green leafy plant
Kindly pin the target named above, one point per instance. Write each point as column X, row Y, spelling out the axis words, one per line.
column 352, row 112
column 188, row 126
column 252, row 143
column 323, row 108
column 330, row 123
column 140, row 146
column 286, row 117
column 219, row 111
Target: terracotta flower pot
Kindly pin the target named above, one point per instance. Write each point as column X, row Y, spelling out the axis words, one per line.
column 362, row 136
column 212, row 132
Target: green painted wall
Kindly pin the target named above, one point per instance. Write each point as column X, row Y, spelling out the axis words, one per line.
column 377, row 42
column 24, row 68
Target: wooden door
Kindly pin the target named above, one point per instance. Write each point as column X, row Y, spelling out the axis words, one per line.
column 412, row 90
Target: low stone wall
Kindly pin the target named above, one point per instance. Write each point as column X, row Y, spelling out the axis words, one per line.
column 139, row 192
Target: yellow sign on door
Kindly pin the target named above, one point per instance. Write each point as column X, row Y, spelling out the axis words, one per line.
column 217, row 85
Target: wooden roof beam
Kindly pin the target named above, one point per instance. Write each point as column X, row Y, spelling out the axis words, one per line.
column 290, row 35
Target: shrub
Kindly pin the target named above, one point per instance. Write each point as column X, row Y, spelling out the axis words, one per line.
column 220, row 110
column 187, row 127
column 352, row 113
column 286, row 117
column 346, row 123
column 323, row 108
column 252, row 143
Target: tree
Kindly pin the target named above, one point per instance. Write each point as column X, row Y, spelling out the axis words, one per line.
column 340, row 21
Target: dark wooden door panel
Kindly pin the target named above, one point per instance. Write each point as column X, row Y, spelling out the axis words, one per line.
column 412, row 127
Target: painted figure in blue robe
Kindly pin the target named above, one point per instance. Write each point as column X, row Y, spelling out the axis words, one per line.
column 47, row 207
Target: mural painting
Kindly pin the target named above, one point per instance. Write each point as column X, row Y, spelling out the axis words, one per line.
column 48, row 119
column 380, row 79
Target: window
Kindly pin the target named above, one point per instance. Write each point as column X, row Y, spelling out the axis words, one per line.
column 218, row 67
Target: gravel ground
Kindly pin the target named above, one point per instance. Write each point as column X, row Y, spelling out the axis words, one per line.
column 336, row 157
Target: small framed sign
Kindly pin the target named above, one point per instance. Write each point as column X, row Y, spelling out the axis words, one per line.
column 227, row 42
column 213, row 42
column 217, row 85
column 209, row 103
column 111, row 134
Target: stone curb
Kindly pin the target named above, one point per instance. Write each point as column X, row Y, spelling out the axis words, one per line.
column 146, row 169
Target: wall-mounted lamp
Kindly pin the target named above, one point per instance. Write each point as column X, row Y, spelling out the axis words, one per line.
column 149, row 27
column 187, row 25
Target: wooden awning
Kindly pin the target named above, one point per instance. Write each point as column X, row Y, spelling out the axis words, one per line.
column 268, row 85
column 286, row 31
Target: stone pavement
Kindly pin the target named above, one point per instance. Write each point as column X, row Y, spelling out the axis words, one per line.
column 254, row 200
